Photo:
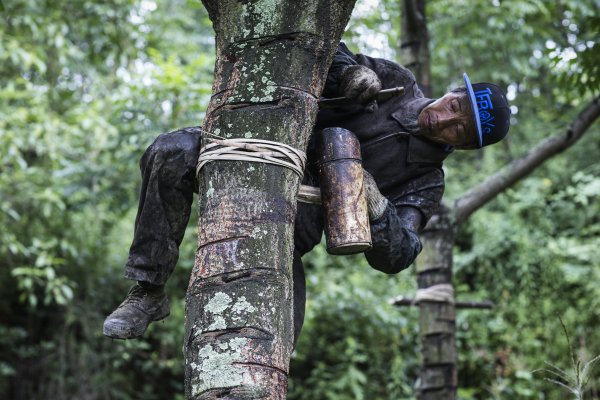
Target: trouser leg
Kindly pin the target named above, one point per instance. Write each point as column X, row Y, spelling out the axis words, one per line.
column 168, row 184
column 299, row 294
column 308, row 229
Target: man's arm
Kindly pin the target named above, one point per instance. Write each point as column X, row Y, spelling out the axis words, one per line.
column 393, row 231
column 389, row 73
column 343, row 59
column 346, row 78
column 395, row 239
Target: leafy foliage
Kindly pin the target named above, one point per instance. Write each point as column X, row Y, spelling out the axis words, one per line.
column 576, row 381
column 84, row 88
column 344, row 350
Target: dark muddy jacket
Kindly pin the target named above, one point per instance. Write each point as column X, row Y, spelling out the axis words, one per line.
column 406, row 167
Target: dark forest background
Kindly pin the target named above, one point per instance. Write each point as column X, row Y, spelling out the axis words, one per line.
column 85, row 86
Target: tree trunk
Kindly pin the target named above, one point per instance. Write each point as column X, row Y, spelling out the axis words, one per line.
column 414, row 49
column 272, row 60
column 438, row 378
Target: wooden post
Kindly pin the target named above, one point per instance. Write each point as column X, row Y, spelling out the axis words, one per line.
column 437, row 327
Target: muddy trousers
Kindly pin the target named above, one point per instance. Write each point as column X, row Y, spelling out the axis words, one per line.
column 168, row 185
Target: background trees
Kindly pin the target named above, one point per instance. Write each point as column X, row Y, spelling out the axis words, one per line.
column 84, row 89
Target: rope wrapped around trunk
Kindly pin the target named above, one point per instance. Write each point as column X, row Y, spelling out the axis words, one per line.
column 261, row 151
column 442, row 293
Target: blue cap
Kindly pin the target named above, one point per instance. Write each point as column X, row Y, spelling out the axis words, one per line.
column 491, row 112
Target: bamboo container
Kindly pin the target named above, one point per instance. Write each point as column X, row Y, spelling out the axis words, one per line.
column 347, row 229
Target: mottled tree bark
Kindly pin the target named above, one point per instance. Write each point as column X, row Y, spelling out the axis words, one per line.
column 272, row 60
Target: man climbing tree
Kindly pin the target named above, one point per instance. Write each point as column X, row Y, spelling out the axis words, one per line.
column 404, row 141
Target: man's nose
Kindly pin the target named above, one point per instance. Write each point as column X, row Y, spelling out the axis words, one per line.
column 447, row 119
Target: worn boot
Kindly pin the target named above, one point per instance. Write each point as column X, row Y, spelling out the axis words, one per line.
column 141, row 306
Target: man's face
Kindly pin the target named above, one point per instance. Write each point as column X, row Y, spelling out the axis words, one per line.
column 449, row 120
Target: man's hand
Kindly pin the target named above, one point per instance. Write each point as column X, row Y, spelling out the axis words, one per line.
column 360, row 84
column 376, row 202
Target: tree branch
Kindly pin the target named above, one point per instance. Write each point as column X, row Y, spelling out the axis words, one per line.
column 478, row 196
